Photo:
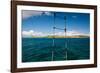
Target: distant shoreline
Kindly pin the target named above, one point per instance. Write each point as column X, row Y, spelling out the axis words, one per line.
column 79, row 36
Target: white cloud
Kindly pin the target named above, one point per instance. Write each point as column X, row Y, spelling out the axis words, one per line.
column 70, row 33
column 31, row 33
column 74, row 16
column 29, row 13
column 27, row 33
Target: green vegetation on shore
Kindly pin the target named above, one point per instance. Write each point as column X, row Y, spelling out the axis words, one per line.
column 56, row 36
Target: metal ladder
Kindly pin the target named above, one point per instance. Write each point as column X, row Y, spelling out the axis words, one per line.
column 53, row 40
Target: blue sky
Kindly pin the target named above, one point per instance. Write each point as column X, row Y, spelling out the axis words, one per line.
column 42, row 22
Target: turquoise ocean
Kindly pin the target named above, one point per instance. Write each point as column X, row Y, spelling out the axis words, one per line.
column 40, row 49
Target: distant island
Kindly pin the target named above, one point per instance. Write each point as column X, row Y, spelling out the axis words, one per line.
column 56, row 36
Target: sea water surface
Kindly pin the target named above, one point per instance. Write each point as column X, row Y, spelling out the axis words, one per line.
column 40, row 49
